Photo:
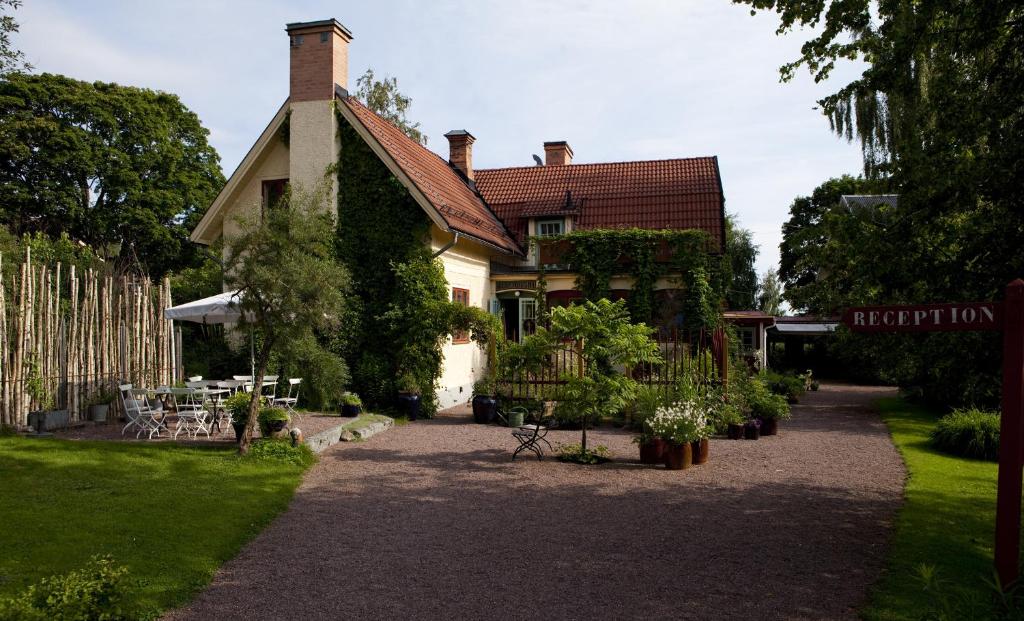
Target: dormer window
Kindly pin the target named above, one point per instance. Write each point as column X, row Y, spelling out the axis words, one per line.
column 550, row 227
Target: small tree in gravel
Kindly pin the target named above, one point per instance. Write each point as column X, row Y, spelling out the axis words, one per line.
column 291, row 285
column 603, row 341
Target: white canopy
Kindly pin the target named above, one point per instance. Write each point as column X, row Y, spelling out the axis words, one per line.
column 220, row 308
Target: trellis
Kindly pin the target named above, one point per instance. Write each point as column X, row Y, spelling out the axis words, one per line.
column 78, row 333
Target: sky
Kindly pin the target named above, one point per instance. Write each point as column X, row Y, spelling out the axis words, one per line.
column 643, row 79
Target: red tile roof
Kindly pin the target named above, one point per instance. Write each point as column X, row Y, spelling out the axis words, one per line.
column 659, row 194
column 459, row 206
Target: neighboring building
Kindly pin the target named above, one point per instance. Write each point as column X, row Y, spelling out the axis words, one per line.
column 481, row 218
column 751, row 328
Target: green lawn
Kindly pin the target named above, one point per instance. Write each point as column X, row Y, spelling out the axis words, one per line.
column 171, row 514
column 948, row 522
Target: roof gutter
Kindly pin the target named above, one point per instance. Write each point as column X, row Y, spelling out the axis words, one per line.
column 445, row 248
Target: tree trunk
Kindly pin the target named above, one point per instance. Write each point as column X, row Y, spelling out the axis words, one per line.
column 257, row 393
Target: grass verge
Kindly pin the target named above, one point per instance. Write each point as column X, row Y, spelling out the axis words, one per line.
column 171, row 514
column 947, row 522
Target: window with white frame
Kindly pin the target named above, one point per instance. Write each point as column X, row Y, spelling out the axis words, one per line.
column 550, row 228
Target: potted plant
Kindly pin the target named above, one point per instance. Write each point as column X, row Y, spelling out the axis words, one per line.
column 46, row 417
column 99, row 405
column 237, row 405
column 652, row 449
column 485, row 402
column 677, row 425
column 272, row 421
column 701, row 446
column 351, row 404
column 770, row 409
column 752, row 429
column 409, row 396
column 733, row 421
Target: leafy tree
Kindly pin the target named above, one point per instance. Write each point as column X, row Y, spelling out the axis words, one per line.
column 384, row 98
column 291, row 285
column 10, row 58
column 603, row 340
column 769, row 294
column 741, row 254
column 125, row 170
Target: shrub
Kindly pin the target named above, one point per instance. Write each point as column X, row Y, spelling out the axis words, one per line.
column 765, row 404
column 969, row 433
column 268, row 416
column 238, row 406
column 574, row 453
column 350, row 398
column 92, row 593
column 282, row 450
column 792, row 387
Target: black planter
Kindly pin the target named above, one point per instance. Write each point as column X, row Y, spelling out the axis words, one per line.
column 351, row 410
column 485, row 409
column 239, row 431
column 751, row 431
column 409, row 405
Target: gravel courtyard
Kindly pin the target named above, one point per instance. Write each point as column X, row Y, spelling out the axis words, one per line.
column 432, row 520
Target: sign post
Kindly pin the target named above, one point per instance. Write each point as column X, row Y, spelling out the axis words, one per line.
column 1008, row 317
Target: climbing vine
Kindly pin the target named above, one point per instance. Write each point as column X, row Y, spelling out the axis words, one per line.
column 402, row 313
column 596, row 256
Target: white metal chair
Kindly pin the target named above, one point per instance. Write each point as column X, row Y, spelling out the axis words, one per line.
column 269, row 389
column 193, row 418
column 139, row 412
column 291, row 400
column 195, row 384
column 242, row 378
column 195, row 378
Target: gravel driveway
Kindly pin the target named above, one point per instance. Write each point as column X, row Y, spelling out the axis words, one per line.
column 432, row 520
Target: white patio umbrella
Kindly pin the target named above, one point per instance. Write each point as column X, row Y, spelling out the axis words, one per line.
column 220, row 308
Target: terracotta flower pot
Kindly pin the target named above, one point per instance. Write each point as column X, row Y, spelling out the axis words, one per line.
column 652, row 451
column 700, row 450
column 678, row 456
column 735, row 432
column 770, row 427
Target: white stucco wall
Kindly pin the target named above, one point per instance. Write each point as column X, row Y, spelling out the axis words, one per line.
column 466, row 266
column 247, row 199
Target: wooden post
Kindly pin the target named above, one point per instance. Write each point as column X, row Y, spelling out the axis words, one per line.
column 1007, row 552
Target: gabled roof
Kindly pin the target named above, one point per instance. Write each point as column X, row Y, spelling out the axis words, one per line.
column 653, row 194
column 202, row 233
column 449, row 195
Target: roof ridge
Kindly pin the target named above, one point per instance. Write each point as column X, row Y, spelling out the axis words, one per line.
column 572, row 166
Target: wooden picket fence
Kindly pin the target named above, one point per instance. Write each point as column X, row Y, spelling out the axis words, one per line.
column 682, row 353
column 79, row 335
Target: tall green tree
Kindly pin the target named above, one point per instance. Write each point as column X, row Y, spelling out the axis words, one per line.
column 769, row 294
column 11, row 59
column 740, row 256
column 292, row 287
column 125, row 170
column 383, row 97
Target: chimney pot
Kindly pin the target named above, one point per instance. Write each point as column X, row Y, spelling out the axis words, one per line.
column 557, row 153
column 319, row 59
column 460, row 151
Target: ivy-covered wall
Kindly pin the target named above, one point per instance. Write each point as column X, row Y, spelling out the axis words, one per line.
column 383, row 239
column 598, row 255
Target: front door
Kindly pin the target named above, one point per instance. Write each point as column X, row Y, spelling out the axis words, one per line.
column 527, row 317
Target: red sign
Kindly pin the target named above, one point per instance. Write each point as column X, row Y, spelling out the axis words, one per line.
column 925, row 317
column 1007, row 316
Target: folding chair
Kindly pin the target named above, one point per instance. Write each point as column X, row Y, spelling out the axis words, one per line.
column 530, row 436
column 193, row 418
column 140, row 413
column 291, row 400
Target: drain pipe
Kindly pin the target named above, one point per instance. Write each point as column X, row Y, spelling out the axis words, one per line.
column 445, row 248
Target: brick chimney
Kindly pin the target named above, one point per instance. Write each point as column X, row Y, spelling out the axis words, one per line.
column 460, row 151
column 319, row 59
column 557, row 153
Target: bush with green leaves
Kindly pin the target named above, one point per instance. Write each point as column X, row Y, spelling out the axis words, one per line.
column 969, row 433
column 269, row 416
column 790, row 386
column 281, row 449
column 763, row 403
column 93, row 593
column 350, row 398
column 237, row 405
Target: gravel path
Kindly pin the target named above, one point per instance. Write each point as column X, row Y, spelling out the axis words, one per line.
column 431, row 520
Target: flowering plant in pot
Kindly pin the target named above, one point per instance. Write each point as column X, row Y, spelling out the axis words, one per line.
column 770, row 409
column 678, row 425
column 351, row 404
column 752, row 429
column 733, row 420
column 700, row 446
